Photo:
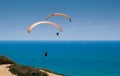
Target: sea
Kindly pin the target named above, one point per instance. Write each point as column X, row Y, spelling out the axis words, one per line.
column 71, row 58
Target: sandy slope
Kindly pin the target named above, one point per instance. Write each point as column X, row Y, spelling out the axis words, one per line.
column 50, row 74
column 4, row 71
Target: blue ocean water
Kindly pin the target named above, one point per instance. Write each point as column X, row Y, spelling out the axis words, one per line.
column 71, row 58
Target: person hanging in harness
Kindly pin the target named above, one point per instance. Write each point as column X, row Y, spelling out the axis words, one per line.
column 57, row 33
column 45, row 54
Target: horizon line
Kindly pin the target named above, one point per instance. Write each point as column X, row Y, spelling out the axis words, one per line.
column 59, row 40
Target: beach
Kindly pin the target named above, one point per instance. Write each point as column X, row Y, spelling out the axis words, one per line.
column 50, row 74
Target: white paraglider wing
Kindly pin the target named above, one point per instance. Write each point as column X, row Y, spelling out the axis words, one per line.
column 44, row 22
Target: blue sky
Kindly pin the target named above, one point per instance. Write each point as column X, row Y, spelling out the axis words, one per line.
column 91, row 19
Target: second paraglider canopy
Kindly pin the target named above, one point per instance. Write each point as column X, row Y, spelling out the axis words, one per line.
column 59, row 14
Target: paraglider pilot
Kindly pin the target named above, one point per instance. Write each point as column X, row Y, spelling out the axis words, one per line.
column 57, row 33
column 45, row 54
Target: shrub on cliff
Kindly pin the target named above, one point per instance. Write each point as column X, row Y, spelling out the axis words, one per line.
column 20, row 70
column 5, row 60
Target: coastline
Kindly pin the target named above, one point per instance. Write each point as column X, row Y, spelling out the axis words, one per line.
column 4, row 71
column 10, row 68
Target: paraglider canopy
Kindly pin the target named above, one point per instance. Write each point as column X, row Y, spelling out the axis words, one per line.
column 44, row 22
column 59, row 14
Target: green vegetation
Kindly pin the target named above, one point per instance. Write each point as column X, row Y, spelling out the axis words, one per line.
column 5, row 60
column 25, row 71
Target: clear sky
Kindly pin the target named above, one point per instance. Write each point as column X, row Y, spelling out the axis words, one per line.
column 91, row 19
